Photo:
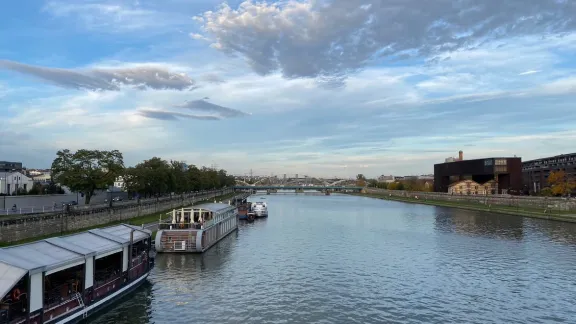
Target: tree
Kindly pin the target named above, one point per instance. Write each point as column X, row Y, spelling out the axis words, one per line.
column 156, row 177
column 37, row 189
column 560, row 183
column 360, row 180
column 86, row 171
column 373, row 183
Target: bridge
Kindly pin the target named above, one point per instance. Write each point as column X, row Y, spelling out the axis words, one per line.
column 300, row 188
column 274, row 181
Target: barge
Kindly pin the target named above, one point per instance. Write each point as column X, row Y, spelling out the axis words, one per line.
column 66, row 279
column 195, row 229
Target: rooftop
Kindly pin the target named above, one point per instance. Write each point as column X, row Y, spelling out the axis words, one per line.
column 62, row 252
column 65, row 251
column 214, row 207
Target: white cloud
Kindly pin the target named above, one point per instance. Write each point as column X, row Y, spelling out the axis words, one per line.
column 332, row 39
column 112, row 79
column 109, row 16
column 529, row 72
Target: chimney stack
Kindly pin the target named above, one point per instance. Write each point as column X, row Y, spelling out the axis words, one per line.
column 460, row 156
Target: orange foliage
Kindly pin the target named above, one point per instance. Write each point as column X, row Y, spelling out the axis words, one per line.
column 561, row 183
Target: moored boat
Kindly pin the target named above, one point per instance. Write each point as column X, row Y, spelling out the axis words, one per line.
column 259, row 209
column 66, row 279
column 195, row 229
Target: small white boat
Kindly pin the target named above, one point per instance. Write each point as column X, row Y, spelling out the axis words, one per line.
column 259, row 209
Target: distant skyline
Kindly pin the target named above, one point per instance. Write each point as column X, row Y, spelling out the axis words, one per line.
column 326, row 88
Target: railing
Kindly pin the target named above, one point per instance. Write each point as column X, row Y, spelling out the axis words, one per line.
column 175, row 226
column 80, row 208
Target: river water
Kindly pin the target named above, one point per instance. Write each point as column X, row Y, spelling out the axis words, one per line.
column 347, row 259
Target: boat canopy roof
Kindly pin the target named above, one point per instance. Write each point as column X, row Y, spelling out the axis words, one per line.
column 9, row 277
column 215, row 207
column 62, row 252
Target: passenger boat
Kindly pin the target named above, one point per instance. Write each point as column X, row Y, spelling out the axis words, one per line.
column 195, row 229
column 66, row 279
column 259, row 209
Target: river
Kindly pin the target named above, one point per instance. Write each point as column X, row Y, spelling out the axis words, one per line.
column 347, row 259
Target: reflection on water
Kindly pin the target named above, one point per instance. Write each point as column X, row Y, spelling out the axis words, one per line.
column 469, row 222
column 132, row 309
column 343, row 259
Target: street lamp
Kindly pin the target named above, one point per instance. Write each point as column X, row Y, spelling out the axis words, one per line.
column 5, row 187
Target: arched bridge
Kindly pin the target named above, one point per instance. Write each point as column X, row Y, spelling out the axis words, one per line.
column 301, row 188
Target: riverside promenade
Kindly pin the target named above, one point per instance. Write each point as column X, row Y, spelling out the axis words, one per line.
column 15, row 228
column 561, row 209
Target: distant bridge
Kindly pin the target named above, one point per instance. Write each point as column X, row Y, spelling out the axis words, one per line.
column 332, row 188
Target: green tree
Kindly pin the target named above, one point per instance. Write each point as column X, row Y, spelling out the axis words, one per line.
column 37, row 189
column 86, row 171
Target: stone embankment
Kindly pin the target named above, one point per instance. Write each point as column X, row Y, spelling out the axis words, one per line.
column 13, row 229
column 540, row 207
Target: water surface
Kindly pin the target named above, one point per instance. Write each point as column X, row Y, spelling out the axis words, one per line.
column 347, row 259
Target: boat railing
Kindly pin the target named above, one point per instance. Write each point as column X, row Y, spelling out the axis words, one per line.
column 175, row 226
column 62, row 293
column 16, row 309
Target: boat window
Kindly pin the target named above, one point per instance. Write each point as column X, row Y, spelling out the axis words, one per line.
column 63, row 285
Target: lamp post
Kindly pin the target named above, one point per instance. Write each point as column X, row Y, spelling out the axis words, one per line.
column 5, row 187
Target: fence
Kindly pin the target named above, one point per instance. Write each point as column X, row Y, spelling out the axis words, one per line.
column 529, row 202
column 15, row 228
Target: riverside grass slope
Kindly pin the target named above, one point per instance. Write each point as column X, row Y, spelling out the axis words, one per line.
column 134, row 221
column 517, row 210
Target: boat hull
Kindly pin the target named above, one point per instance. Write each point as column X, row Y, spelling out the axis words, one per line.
column 104, row 303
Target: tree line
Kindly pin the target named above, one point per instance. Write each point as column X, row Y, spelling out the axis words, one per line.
column 410, row 184
column 86, row 171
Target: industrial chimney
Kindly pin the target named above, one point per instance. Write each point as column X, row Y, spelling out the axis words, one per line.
column 460, row 156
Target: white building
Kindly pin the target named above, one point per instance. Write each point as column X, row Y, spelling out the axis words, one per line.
column 386, row 179
column 10, row 182
column 119, row 183
column 42, row 177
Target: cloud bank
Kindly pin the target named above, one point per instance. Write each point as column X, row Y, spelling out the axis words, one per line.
column 212, row 112
column 207, row 107
column 140, row 77
column 171, row 115
column 331, row 39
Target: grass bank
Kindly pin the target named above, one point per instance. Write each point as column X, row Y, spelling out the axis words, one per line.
column 138, row 221
column 518, row 210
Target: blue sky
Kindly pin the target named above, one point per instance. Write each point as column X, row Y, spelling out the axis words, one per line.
column 325, row 88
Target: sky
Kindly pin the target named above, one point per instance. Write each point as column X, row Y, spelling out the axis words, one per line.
column 312, row 87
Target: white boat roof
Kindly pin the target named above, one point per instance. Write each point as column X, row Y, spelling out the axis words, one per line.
column 121, row 233
column 9, row 277
column 57, row 252
column 214, row 207
column 40, row 254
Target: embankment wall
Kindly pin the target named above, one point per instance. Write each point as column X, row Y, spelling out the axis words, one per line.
column 537, row 203
column 25, row 227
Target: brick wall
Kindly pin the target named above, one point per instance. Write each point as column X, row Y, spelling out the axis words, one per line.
column 25, row 227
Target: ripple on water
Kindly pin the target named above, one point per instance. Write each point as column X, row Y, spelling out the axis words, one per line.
column 341, row 259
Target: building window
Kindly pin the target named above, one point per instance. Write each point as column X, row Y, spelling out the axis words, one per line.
column 500, row 162
column 488, row 162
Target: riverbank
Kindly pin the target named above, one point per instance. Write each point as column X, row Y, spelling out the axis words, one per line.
column 138, row 221
column 516, row 210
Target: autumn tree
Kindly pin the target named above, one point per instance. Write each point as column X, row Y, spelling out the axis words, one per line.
column 560, row 183
column 360, row 180
column 86, row 171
